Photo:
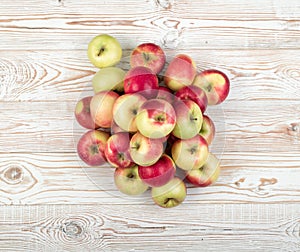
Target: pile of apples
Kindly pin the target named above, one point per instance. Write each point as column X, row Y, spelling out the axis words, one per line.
column 150, row 126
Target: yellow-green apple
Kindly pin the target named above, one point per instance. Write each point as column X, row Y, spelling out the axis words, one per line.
column 159, row 173
column 104, row 51
column 102, row 108
column 207, row 174
column 156, row 118
column 125, row 111
column 90, row 147
column 109, row 78
column 148, row 55
column 115, row 128
column 180, row 72
column 128, row 181
column 145, row 151
column 188, row 119
column 208, row 129
column 169, row 195
column 195, row 94
column 215, row 84
column 190, row 153
column 83, row 113
column 117, row 150
column 142, row 80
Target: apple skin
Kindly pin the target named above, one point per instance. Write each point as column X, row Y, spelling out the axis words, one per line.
column 156, row 118
column 190, row 153
column 109, row 78
column 117, row 150
column 104, row 51
column 145, row 151
column 215, row 84
column 195, row 94
column 208, row 129
column 83, row 113
column 166, row 94
column 140, row 80
column 127, row 180
column 102, row 108
column 159, row 173
column 189, row 119
column 206, row 174
column 180, row 72
column 115, row 128
column 125, row 111
column 148, row 55
column 169, row 195
column 90, row 147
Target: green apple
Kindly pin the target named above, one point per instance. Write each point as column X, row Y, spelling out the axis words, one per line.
column 104, row 51
column 128, row 181
column 109, row 78
column 169, row 195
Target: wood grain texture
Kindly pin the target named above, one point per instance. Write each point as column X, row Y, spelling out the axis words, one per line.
column 241, row 227
column 208, row 25
column 67, row 75
column 57, row 178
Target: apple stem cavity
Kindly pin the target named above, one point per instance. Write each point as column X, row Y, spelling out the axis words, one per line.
column 146, row 56
column 101, row 51
column 94, row 149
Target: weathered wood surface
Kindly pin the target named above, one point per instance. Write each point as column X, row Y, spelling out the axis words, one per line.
column 50, row 201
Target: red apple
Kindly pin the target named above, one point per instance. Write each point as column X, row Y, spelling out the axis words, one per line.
column 208, row 129
column 166, row 94
column 115, row 128
column 90, row 147
column 156, row 118
column 142, row 80
column 159, row 173
column 145, row 151
column 148, row 55
column 102, row 108
column 206, row 174
column 83, row 113
column 195, row 94
column 180, row 72
column 117, row 150
column 215, row 84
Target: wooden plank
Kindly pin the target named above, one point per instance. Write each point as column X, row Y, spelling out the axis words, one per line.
column 242, row 227
column 64, row 76
column 70, row 25
column 242, row 126
column 58, row 178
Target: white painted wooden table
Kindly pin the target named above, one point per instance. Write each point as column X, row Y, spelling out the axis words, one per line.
column 51, row 202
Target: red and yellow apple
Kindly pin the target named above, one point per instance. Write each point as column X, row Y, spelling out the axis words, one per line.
column 215, row 84
column 83, row 113
column 208, row 129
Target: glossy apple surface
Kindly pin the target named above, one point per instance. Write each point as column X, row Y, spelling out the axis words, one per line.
column 206, row 174
column 145, row 151
column 102, row 108
column 128, row 181
column 188, row 119
column 215, row 84
column 117, row 150
column 90, row 147
column 140, row 80
column 104, row 51
column 83, row 113
column 180, row 72
column 148, row 55
column 156, row 118
column 169, row 195
column 159, row 173
column 208, row 129
column 125, row 111
column 190, row 153
column 109, row 78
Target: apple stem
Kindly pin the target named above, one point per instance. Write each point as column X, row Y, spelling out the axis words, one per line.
column 101, row 51
column 146, row 56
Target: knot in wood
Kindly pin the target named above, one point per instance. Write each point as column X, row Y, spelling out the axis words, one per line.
column 165, row 4
column 13, row 175
column 72, row 229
